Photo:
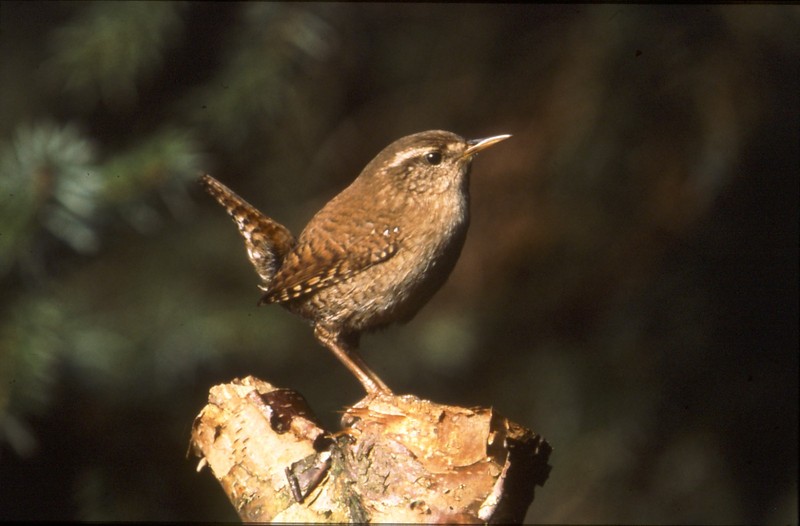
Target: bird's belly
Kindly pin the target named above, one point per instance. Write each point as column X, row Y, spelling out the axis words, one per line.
column 392, row 291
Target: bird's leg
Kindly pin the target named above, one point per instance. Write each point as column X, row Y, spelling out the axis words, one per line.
column 349, row 357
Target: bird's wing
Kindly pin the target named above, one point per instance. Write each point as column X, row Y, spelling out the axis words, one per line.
column 322, row 261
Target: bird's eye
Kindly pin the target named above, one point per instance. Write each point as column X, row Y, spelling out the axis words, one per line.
column 433, row 158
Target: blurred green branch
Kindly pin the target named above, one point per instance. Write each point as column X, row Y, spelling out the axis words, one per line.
column 109, row 47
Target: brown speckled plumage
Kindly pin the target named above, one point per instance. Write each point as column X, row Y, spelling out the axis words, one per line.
column 377, row 252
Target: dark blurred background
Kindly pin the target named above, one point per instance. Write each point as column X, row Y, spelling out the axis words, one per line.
column 628, row 289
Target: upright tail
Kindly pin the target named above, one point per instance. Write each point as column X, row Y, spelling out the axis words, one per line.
column 267, row 241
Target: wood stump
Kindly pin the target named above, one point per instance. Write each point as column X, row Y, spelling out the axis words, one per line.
column 397, row 459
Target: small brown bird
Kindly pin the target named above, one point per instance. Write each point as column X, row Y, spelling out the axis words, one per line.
column 377, row 252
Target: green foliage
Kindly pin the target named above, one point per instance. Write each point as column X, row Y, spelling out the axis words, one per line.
column 66, row 195
column 259, row 86
column 50, row 183
column 32, row 339
column 110, row 47
column 161, row 165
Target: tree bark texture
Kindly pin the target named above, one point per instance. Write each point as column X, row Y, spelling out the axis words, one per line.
column 397, row 459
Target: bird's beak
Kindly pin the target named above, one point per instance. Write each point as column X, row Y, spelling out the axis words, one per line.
column 476, row 145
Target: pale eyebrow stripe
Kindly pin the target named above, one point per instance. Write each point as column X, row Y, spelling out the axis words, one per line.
column 402, row 156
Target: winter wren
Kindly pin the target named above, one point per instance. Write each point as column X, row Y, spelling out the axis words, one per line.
column 377, row 252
